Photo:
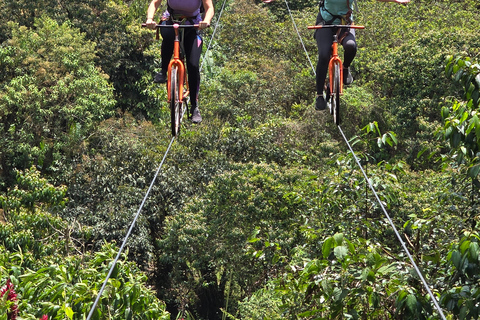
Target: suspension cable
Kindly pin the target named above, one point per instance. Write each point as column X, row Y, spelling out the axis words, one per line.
column 417, row 269
column 213, row 34
column 129, row 231
column 300, row 37
column 146, row 195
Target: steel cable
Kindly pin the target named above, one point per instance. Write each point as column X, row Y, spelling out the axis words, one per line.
column 92, row 310
column 404, row 246
column 129, row 231
column 417, row 269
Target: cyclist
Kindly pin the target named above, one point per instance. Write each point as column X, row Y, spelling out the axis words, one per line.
column 190, row 12
column 335, row 12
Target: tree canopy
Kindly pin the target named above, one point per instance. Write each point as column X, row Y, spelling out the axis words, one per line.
column 260, row 212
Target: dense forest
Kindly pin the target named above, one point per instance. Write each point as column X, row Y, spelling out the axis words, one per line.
column 261, row 211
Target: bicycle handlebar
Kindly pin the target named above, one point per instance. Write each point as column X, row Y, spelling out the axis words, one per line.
column 345, row 26
column 173, row 25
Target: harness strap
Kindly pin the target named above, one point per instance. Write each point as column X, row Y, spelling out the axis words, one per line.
column 175, row 17
column 345, row 19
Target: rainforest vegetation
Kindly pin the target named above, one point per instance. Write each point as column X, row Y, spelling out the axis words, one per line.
column 261, row 211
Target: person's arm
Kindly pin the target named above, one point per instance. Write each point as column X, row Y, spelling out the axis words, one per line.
column 152, row 8
column 209, row 12
column 397, row 1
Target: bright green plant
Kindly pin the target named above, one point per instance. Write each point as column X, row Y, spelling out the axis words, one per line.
column 32, row 191
column 52, row 95
column 351, row 279
column 461, row 120
column 68, row 289
column 463, row 296
column 461, row 128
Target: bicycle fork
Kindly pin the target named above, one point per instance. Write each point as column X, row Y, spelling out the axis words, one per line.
column 181, row 77
column 335, row 59
column 176, row 63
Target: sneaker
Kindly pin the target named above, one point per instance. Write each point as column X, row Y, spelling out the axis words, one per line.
column 320, row 103
column 195, row 113
column 160, row 77
column 347, row 76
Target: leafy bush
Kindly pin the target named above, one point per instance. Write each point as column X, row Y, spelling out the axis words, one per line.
column 67, row 290
column 53, row 95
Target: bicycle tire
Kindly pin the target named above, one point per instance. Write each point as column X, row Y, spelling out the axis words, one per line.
column 175, row 103
column 336, row 94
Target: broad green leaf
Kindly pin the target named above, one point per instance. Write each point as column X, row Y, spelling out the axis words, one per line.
column 327, row 246
column 473, row 171
column 474, row 251
column 456, row 138
column 411, row 303
column 340, row 252
column 374, row 299
column 338, row 239
column 69, row 312
column 339, row 294
column 456, row 259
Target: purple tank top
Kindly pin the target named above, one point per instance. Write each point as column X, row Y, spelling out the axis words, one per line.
column 188, row 8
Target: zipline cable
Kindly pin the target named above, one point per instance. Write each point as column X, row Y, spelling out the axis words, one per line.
column 213, row 34
column 299, row 36
column 145, row 197
column 417, row 269
column 129, row 231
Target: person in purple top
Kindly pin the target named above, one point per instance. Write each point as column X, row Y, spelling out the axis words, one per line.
column 188, row 10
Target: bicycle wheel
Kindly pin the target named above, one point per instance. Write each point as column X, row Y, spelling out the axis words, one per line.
column 175, row 103
column 336, row 94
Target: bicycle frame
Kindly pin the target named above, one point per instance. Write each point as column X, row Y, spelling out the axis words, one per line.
column 177, row 62
column 176, row 58
column 177, row 93
column 335, row 59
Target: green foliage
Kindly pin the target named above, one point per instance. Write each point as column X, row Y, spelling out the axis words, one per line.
column 109, row 179
column 278, row 8
column 38, row 235
column 321, row 287
column 253, row 197
column 112, row 25
column 401, row 58
column 462, row 299
column 375, row 145
column 32, row 192
column 462, row 125
column 52, row 95
column 275, row 211
column 68, row 290
column 461, row 129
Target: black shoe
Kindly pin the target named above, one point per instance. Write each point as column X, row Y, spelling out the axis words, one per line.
column 347, row 76
column 320, row 103
column 160, row 77
column 195, row 115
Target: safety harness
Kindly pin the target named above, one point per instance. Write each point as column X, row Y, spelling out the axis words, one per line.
column 345, row 19
column 176, row 17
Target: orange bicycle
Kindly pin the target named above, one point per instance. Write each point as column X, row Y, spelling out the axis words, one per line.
column 177, row 80
column 334, row 82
